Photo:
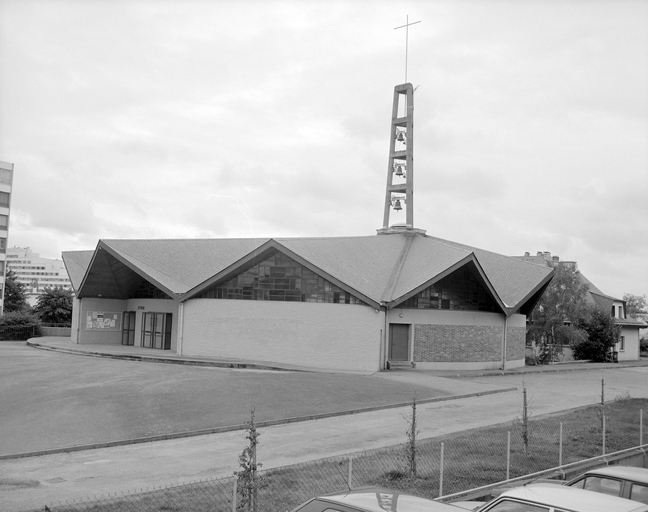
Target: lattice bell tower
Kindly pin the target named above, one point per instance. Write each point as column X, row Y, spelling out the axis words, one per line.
column 399, row 192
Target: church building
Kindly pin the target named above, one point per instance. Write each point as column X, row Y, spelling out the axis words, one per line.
column 364, row 303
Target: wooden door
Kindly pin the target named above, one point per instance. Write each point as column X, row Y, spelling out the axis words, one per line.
column 398, row 342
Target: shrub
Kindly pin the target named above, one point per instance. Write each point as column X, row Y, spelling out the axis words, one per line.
column 602, row 334
column 19, row 325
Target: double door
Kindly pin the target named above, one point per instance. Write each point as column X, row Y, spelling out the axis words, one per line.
column 156, row 330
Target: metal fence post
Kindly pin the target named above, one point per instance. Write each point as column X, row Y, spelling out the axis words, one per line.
column 640, row 427
column 349, row 478
column 234, row 491
column 441, row 471
column 604, row 434
column 560, row 446
column 508, row 455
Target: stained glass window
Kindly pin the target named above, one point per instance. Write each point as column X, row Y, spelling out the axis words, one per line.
column 460, row 290
column 280, row 278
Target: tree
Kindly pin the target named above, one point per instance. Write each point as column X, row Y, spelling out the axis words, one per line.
column 15, row 298
column 556, row 318
column 635, row 305
column 55, row 306
column 602, row 334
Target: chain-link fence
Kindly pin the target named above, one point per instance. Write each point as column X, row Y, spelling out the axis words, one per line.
column 444, row 465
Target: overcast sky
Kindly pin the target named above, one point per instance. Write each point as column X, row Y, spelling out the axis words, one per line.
column 184, row 119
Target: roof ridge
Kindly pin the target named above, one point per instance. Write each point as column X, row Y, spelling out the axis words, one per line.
column 398, row 268
column 141, row 264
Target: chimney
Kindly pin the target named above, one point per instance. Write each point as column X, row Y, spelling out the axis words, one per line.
column 526, row 254
column 555, row 258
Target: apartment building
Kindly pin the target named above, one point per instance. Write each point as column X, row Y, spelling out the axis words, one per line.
column 36, row 273
column 6, row 180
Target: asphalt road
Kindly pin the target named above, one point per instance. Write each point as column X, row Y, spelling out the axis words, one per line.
column 29, row 483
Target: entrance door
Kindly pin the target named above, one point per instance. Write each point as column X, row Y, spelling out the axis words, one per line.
column 128, row 328
column 156, row 330
column 398, row 342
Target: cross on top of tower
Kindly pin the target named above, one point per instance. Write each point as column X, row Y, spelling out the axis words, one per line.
column 407, row 26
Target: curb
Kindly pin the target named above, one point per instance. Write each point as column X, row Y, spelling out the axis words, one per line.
column 162, row 360
column 527, row 372
column 231, row 428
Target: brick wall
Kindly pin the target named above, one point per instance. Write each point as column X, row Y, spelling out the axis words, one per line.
column 457, row 343
column 466, row 343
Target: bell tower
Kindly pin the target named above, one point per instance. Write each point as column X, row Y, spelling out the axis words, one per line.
column 399, row 192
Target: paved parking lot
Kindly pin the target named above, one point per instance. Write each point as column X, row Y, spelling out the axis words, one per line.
column 30, row 483
column 53, row 400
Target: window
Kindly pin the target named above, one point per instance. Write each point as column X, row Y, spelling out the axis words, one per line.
column 3, row 245
column 621, row 343
column 4, row 199
column 461, row 290
column 639, row 493
column 6, row 176
column 517, row 506
column 4, row 221
column 280, row 278
column 603, row 485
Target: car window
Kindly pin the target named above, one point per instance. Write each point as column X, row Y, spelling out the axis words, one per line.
column 639, row 493
column 578, row 484
column 603, row 485
column 517, row 506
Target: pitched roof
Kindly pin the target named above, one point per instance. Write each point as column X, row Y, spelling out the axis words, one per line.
column 382, row 269
column 76, row 263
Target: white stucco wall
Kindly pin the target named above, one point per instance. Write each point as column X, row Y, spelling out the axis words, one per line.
column 631, row 352
column 327, row 336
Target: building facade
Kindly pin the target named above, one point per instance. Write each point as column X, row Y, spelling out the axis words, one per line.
column 341, row 303
column 36, row 273
column 6, row 183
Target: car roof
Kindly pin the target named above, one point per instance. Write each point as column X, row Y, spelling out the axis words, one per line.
column 624, row 472
column 576, row 500
column 379, row 499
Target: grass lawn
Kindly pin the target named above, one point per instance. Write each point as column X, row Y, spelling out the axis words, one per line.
column 471, row 459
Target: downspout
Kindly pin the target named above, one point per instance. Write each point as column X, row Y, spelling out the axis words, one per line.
column 78, row 329
column 180, row 329
column 504, row 342
column 383, row 342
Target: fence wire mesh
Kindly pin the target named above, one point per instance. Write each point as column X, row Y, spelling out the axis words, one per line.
column 470, row 459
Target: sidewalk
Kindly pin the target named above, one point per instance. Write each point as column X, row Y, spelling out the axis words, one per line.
column 165, row 356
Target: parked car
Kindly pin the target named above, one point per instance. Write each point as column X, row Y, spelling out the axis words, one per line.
column 374, row 499
column 558, row 498
column 624, row 481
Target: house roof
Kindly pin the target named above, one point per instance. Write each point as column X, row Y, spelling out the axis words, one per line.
column 77, row 263
column 381, row 269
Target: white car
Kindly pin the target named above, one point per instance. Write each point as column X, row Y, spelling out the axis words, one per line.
column 558, row 498
column 624, row 481
column 374, row 499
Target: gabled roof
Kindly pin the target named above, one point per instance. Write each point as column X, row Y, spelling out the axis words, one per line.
column 380, row 269
column 76, row 263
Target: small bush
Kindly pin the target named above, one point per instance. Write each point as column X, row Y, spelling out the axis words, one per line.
column 19, row 326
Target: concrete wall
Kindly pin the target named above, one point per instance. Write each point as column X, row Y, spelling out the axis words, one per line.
column 327, row 336
column 81, row 307
column 441, row 339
